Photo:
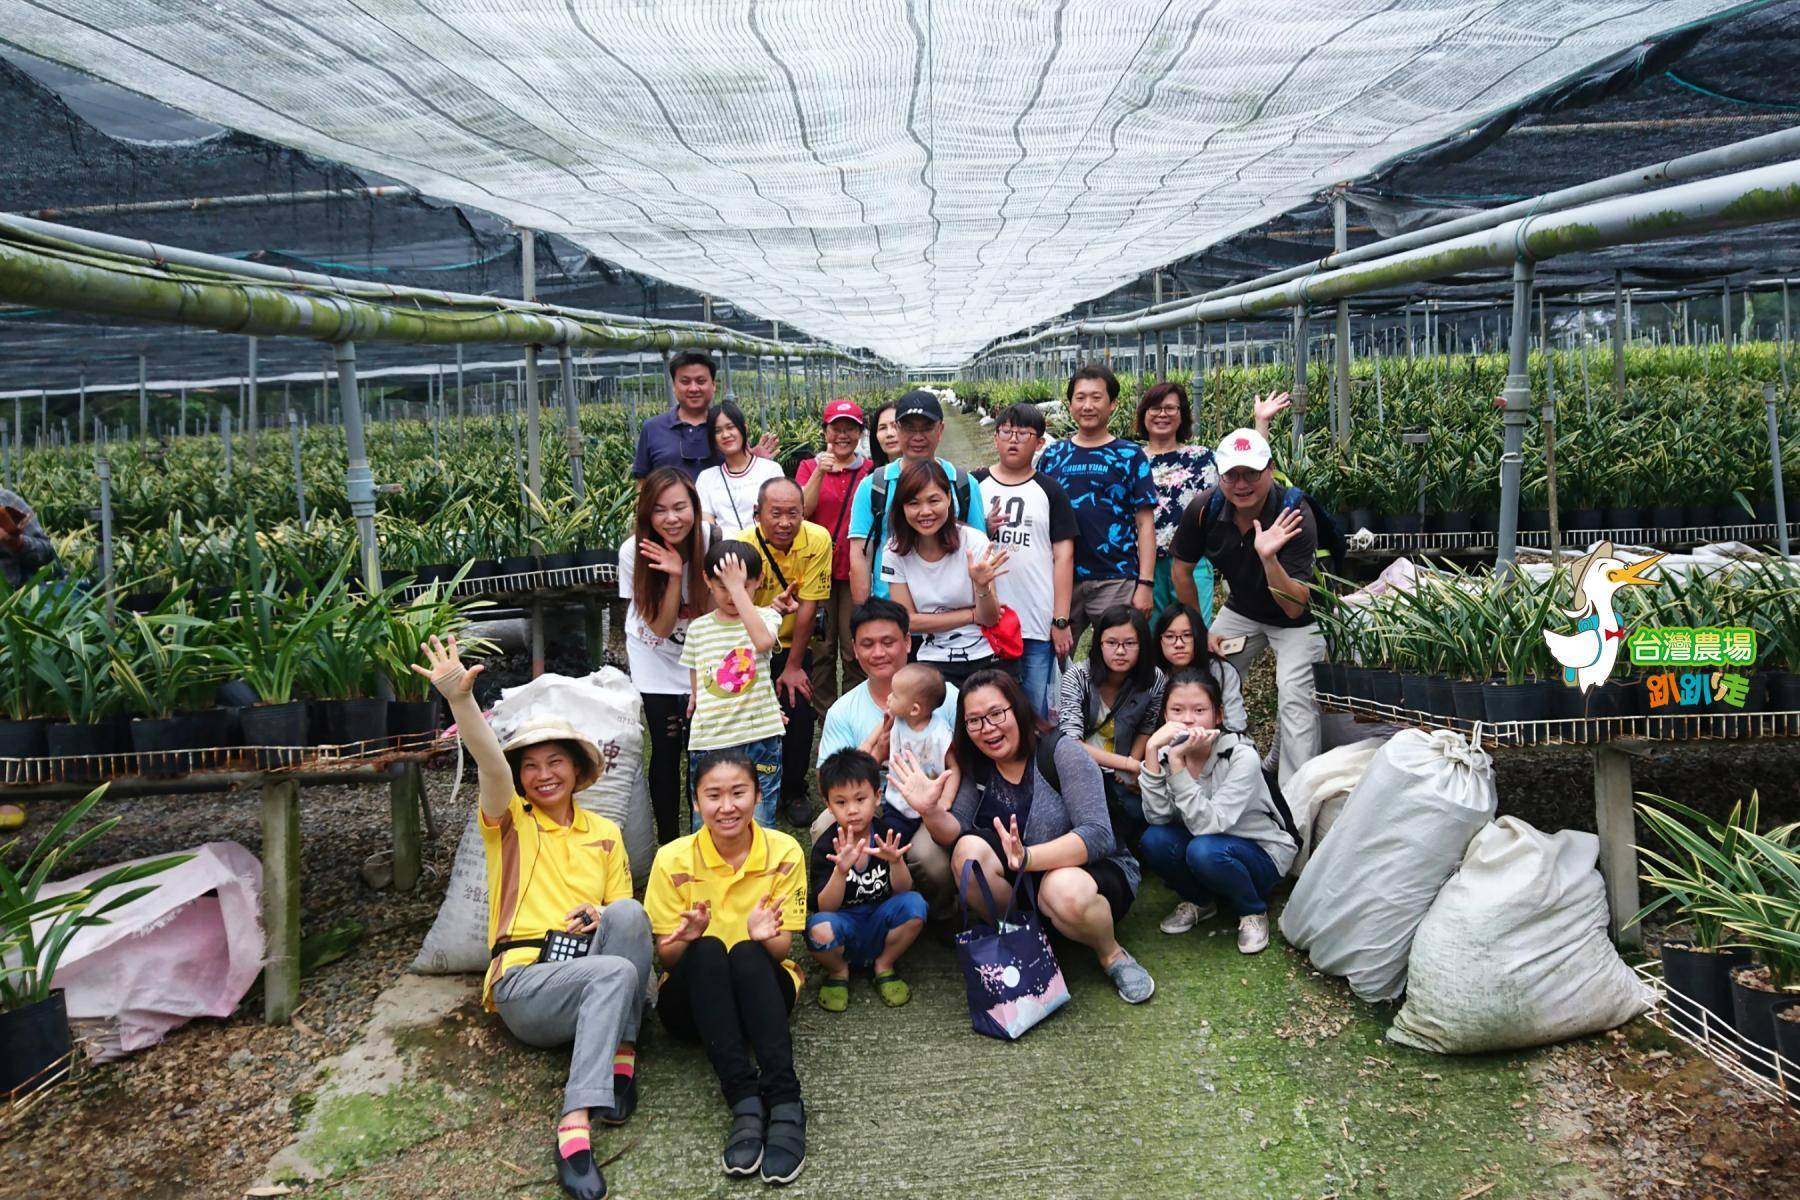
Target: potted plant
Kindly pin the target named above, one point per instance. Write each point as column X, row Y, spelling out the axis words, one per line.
column 162, row 663
column 432, row 613
column 340, row 674
column 27, row 618
column 77, row 672
column 1696, row 970
column 36, row 929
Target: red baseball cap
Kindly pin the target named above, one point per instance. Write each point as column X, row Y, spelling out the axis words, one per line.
column 844, row 410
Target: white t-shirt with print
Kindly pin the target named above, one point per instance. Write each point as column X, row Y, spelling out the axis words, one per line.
column 731, row 499
column 929, row 745
column 939, row 587
column 1033, row 515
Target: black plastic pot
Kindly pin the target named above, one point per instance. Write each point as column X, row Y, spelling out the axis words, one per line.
column 1740, row 720
column 558, row 562
column 1567, row 703
column 1357, row 684
column 1322, row 679
column 1622, row 518
column 1787, row 1041
column 432, row 573
column 412, row 717
column 1668, row 516
column 33, row 1040
column 1782, row 694
column 1404, row 523
column 1415, row 692
column 342, row 722
column 519, row 564
column 1697, row 515
column 482, row 568
column 1513, row 701
column 1362, row 518
column 1451, row 522
column 277, row 732
column 1753, row 1012
column 597, row 558
column 1583, row 518
column 1469, row 699
column 1531, row 520
column 78, row 746
column 1384, row 686
column 1440, row 690
column 21, row 739
column 212, row 727
column 159, row 743
column 1700, row 979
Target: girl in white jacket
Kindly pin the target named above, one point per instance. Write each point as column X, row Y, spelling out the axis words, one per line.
column 1214, row 833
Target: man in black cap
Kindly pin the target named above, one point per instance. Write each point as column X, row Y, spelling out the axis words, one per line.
column 921, row 421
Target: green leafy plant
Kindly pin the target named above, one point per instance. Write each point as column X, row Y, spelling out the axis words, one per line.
column 166, row 659
column 38, row 928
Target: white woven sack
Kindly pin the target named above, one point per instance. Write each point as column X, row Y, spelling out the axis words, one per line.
column 606, row 708
column 1316, row 793
column 1514, row 951
column 1400, row 836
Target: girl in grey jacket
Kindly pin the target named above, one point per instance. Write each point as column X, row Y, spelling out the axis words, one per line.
column 1214, row 833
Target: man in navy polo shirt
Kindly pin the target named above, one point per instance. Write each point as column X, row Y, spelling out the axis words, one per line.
column 678, row 438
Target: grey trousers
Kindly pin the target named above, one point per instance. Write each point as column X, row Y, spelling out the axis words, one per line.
column 595, row 1002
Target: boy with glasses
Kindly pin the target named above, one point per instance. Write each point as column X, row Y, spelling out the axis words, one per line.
column 1029, row 514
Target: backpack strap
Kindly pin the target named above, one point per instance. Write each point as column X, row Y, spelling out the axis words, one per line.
column 1284, row 817
column 878, row 497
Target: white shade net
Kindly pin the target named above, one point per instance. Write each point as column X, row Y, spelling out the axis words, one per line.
column 915, row 177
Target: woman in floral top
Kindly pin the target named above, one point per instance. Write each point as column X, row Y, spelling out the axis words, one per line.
column 1181, row 474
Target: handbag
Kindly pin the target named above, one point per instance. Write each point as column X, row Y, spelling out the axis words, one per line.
column 1008, row 968
column 1006, row 637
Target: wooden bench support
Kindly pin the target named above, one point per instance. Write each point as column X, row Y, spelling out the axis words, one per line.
column 1614, row 821
column 281, row 899
column 406, row 797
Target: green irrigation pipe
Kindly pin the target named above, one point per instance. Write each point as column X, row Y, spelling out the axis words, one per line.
column 67, row 275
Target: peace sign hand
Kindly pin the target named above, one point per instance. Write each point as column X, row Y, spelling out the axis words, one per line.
column 445, row 668
column 764, row 921
column 1011, row 843
column 996, row 520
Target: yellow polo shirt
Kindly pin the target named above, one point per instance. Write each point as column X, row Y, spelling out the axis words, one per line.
column 807, row 563
column 538, row 870
column 689, row 870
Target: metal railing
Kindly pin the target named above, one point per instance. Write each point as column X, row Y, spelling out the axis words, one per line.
column 216, row 760
column 1580, row 731
column 1765, row 1072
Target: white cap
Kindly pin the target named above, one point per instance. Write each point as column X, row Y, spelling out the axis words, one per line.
column 1242, row 448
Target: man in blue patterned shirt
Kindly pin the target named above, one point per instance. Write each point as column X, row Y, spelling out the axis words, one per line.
column 1108, row 484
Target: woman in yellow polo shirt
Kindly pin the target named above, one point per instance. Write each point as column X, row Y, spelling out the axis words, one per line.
column 725, row 903
column 571, row 948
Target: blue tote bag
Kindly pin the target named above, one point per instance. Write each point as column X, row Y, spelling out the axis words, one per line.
column 1008, row 968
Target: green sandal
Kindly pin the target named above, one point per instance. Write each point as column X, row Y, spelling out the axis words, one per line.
column 892, row 989
column 834, row 995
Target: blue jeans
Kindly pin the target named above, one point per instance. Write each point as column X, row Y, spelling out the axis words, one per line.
column 862, row 931
column 1213, row 866
column 1037, row 672
column 766, row 754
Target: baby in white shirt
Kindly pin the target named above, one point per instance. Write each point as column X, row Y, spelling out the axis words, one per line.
column 914, row 697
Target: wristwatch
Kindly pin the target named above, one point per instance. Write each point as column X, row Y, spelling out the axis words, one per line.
column 1059, row 622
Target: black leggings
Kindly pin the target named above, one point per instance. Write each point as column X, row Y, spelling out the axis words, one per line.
column 667, row 719
column 734, row 1002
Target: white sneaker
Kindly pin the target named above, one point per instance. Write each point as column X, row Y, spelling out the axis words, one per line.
column 1253, row 933
column 1185, row 916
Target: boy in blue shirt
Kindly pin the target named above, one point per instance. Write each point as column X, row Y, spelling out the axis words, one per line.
column 1109, row 485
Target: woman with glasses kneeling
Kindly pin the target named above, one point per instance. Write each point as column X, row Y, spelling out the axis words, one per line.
column 1038, row 807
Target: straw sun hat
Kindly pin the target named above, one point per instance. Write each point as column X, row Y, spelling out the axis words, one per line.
column 550, row 730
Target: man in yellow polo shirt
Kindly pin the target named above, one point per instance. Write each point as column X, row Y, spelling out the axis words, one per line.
column 796, row 558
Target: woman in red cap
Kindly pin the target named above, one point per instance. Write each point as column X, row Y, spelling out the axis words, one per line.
column 827, row 484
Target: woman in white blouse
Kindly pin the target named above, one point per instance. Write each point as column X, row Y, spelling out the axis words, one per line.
column 728, row 491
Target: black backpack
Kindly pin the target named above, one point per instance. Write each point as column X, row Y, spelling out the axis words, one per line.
column 1284, row 815
column 878, row 502
column 1333, row 548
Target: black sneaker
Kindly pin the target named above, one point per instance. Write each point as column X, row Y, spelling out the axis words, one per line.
column 744, row 1140
column 623, row 1105
column 580, row 1176
column 800, row 813
column 785, row 1150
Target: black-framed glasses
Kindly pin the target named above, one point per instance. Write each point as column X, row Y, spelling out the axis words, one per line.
column 994, row 717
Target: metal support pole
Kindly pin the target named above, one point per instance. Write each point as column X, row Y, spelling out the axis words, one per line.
column 225, row 436
column 143, row 400
column 1297, row 393
column 359, row 483
column 299, row 479
column 1517, row 401
column 103, row 470
column 571, row 424
column 1727, row 333
column 1781, row 518
column 461, row 410
column 251, row 422
column 1339, row 240
column 81, row 410
column 1619, row 336
column 534, row 460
